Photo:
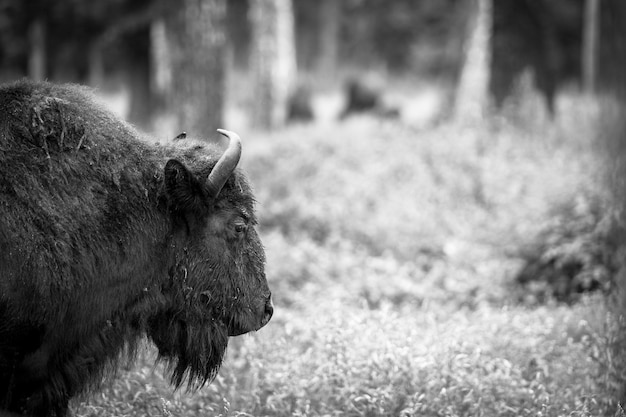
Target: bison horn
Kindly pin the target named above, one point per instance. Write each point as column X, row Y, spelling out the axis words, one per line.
column 226, row 164
column 181, row 135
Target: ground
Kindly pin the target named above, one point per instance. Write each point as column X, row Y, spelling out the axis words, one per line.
column 392, row 249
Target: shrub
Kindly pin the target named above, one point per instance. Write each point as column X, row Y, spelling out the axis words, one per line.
column 573, row 254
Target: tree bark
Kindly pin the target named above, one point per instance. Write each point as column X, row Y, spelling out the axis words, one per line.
column 590, row 45
column 273, row 61
column 95, row 76
column 612, row 49
column 472, row 91
column 37, row 54
column 328, row 37
column 137, row 72
column 196, row 43
column 160, row 67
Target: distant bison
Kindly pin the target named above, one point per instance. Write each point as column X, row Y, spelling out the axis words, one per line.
column 105, row 238
column 300, row 105
column 363, row 95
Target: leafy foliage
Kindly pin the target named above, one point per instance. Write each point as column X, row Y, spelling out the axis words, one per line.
column 573, row 254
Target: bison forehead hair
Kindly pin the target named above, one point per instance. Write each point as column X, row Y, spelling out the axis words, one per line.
column 105, row 238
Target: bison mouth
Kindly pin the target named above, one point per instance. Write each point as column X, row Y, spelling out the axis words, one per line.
column 237, row 327
column 237, row 330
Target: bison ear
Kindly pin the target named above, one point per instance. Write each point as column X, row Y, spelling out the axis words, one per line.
column 184, row 192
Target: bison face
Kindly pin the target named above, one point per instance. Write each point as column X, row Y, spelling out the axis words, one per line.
column 217, row 284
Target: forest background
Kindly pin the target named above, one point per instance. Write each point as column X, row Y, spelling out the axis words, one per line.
column 440, row 191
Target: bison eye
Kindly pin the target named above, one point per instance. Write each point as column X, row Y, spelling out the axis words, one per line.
column 241, row 227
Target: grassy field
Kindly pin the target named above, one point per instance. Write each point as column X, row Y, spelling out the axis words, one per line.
column 391, row 256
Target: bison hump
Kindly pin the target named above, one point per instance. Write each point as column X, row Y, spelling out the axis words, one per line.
column 55, row 126
column 48, row 119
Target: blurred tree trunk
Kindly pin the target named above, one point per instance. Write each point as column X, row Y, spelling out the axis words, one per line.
column 590, row 45
column 37, row 54
column 472, row 96
column 160, row 70
column 128, row 41
column 95, row 75
column 137, row 74
column 328, row 37
column 538, row 38
column 612, row 48
column 273, row 61
column 195, row 44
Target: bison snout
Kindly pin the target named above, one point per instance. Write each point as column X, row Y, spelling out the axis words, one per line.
column 269, row 311
column 254, row 323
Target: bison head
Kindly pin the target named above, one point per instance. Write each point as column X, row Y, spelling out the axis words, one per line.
column 216, row 286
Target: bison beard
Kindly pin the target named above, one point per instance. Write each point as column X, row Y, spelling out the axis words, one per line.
column 105, row 239
column 192, row 352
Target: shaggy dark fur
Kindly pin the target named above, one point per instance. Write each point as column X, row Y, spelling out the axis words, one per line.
column 105, row 238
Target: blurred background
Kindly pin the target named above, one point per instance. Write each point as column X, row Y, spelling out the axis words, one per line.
column 296, row 60
column 440, row 189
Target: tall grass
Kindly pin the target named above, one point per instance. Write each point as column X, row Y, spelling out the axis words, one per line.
column 391, row 253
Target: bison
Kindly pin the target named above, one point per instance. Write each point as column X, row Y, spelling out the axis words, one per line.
column 106, row 238
column 365, row 95
column 300, row 105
